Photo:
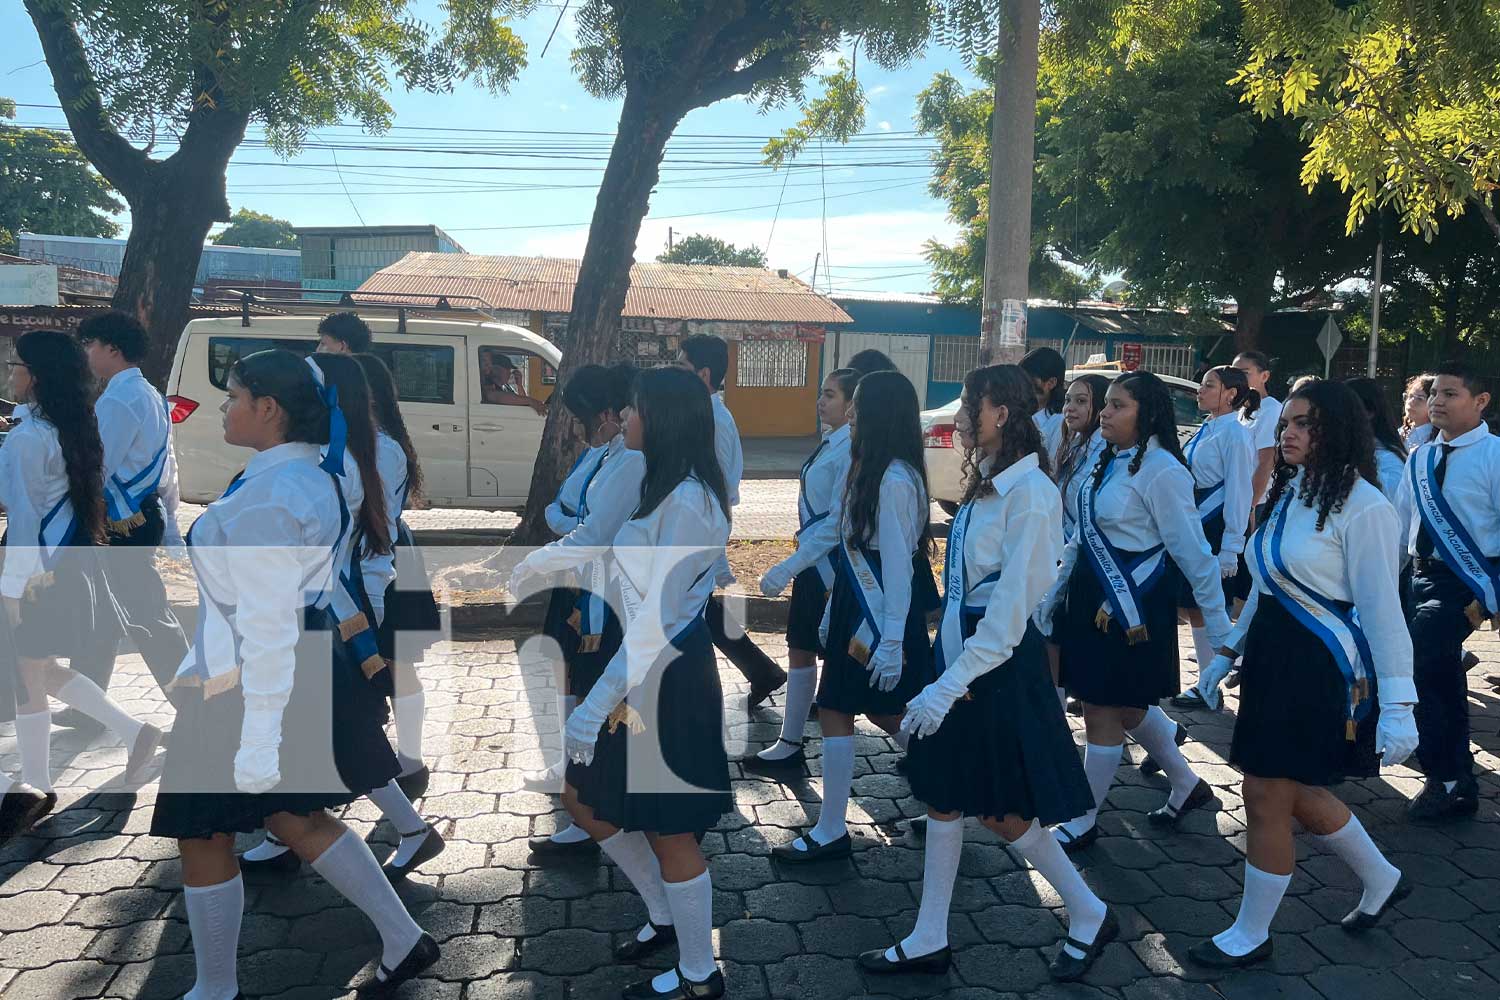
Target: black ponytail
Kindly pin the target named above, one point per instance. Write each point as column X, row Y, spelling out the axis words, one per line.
column 1155, row 416
column 386, row 408
column 1245, row 399
column 343, row 373
column 61, row 394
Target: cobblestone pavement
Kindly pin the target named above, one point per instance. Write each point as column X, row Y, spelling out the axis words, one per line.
column 90, row 905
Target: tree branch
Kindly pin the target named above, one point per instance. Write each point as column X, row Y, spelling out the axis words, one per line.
column 741, row 81
column 122, row 164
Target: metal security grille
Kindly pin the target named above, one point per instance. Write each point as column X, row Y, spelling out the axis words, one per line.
column 953, row 358
column 1169, row 359
column 771, row 364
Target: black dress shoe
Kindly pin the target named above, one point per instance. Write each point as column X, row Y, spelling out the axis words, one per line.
column 1189, row 699
column 546, row 847
column 1202, row 794
column 1232, row 679
column 762, row 690
column 710, row 989
column 414, row 785
column 903, row 764
column 1470, row 661
column 756, row 764
column 72, row 718
column 1066, row 969
column 430, row 848
column 632, row 950
column 831, row 851
column 1208, row 954
column 1149, row 766
column 22, row 808
column 1082, row 842
column 422, row 957
column 1357, row 920
column 143, row 752
column 1438, row 805
column 285, row 863
column 934, row 963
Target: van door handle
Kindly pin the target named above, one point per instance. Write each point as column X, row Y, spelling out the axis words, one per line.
column 488, row 427
column 451, row 427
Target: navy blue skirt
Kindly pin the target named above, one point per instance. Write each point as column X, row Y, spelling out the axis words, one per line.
column 410, row 607
column 844, row 683
column 805, row 613
column 1005, row 749
column 1101, row 667
column 686, row 725
column 1213, row 530
column 333, row 747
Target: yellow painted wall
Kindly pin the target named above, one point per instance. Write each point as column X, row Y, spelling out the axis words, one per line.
column 790, row 412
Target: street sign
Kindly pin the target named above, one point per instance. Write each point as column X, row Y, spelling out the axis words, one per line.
column 1130, row 356
column 1329, row 339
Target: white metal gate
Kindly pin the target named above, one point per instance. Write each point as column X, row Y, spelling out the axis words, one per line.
column 908, row 351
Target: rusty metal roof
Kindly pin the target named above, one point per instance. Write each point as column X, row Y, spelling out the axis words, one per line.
column 657, row 291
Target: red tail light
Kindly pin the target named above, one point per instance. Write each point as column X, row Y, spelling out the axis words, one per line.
column 938, row 436
column 182, row 408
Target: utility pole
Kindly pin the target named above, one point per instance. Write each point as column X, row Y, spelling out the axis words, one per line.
column 814, row 281
column 1374, row 355
column 669, row 239
column 1007, row 251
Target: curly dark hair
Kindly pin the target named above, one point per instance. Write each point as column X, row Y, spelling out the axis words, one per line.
column 1008, row 386
column 1342, row 450
column 1420, row 383
column 61, row 393
column 887, row 429
column 1070, row 447
column 1155, row 418
column 385, row 407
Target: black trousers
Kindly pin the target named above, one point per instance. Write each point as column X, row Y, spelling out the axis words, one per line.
column 1439, row 626
column 748, row 658
column 140, row 601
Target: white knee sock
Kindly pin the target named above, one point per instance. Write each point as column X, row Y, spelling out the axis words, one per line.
column 1358, row 851
column 1157, row 733
column 838, row 776
column 1099, row 765
column 349, row 867
column 945, row 842
column 34, row 740
column 801, row 687
column 397, row 808
column 1085, row 910
column 266, row 850
column 214, row 913
column 1263, row 892
column 86, row 696
column 693, row 911
column 632, row 852
column 1202, row 648
column 411, row 712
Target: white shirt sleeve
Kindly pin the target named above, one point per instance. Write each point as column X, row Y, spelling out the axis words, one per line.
column 267, row 614
column 171, row 497
column 823, row 537
column 21, row 459
column 1372, row 566
column 608, row 511
column 117, row 427
column 1239, row 492
column 559, row 522
column 896, row 531
column 1236, row 639
column 1169, row 499
column 1405, row 502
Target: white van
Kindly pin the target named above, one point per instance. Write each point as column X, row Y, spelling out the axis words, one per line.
column 474, row 453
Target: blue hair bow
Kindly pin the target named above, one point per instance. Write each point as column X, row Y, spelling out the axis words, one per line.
column 338, row 427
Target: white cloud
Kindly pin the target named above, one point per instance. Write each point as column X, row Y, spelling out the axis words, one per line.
column 885, row 126
column 875, row 92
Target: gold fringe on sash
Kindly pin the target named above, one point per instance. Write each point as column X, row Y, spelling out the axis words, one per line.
column 212, row 688
column 1359, row 693
column 859, row 652
column 37, row 584
column 590, row 643
column 623, row 713
column 354, row 626
column 125, row 525
column 1137, row 634
column 575, row 621
column 373, row 665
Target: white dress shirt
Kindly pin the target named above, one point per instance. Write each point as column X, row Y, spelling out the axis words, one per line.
column 1017, row 531
column 1471, row 485
column 339, row 600
column 1051, row 426
column 1262, row 426
column 613, row 495
column 1391, row 468
column 1418, row 435
column 1223, row 452
column 1155, row 507
column 571, row 491
column 731, row 458
column 1078, row 474
column 1353, row 559
column 33, row 481
column 379, row 570
column 822, row 477
column 135, row 429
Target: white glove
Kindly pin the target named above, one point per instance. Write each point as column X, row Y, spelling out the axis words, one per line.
column 925, row 713
column 582, row 731
column 885, row 665
column 172, row 542
column 1229, row 564
column 257, row 763
column 518, row 578
column 775, row 580
column 1395, row 733
column 823, row 624
column 1210, row 677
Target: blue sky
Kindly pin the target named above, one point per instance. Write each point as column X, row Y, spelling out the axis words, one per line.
column 877, row 217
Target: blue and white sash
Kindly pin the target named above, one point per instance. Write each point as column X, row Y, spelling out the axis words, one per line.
column 1209, row 500
column 959, row 599
column 123, row 497
column 1336, row 628
column 1125, row 584
column 590, row 613
column 807, row 518
column 51, row 538
column 568, row 509
column 1450, row 538
column 864, row 578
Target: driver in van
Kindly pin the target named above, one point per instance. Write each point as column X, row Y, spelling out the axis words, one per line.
column 500, row 381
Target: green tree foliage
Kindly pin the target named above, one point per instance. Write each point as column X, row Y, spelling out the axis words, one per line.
column 248, row 228
column 701, row 248
column 46, row 186
column 1399, row 99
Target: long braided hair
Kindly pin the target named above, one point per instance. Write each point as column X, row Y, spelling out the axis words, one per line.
column 1342, row 450
column 1155, row 418
column 1008, row 386
column 60, row 392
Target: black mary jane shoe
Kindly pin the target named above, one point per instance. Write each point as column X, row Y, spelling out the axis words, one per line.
column 831, row 851
column 1357, row 920
column 1202, row 794
column 430, row 848
column 1064, row 968
column 710, row 989
column 760, row 692
column 22, row 808
column 414, row 785
column 1210, row 955
column 934, row 963
column 285, row 863
column 421, row 958
column 756, row 764
column 1190, row 700
column 1082, row 842
column 1149, row 766
column 632, row 950
column 547, row 848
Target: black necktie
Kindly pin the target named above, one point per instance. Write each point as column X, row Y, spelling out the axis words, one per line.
column 1439, row 471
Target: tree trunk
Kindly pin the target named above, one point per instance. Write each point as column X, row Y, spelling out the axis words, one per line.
column 1248, row 322
column 647, row 121
column 1007, row 255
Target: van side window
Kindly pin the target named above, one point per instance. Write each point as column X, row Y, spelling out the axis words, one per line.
column 423, row 372
column 223, row 352
column 503, row 379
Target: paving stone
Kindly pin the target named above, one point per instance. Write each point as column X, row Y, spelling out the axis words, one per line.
column 566, row 952
column 1251, row 984
column 517, row 986
column 1018, row 926
column 163, row 978
column 875, row 899
column 1438, row 979
column 843, row 936
column 1441, row 939
column 757, row 941
column 1342, row 982
column 1194, row 882
column 26, row 910
column 788, row 901
column 1001, row 967
column 1373, row 948
column 811, row 976
column 42, row 946
column 63, row 981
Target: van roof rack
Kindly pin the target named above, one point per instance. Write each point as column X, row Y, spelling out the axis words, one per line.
column 315, row 301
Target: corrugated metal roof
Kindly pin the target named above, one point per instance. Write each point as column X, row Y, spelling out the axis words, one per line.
column 657, row 291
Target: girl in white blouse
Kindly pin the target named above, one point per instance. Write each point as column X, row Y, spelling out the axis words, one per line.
column 875, row 627
column 259, row 709
column 989, row 738
column 659, row 776
column 1416, row 425
column 1137, row 525
column 52, row 491
column 1390, row 450
column 1326, row 680
column 810, row 571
